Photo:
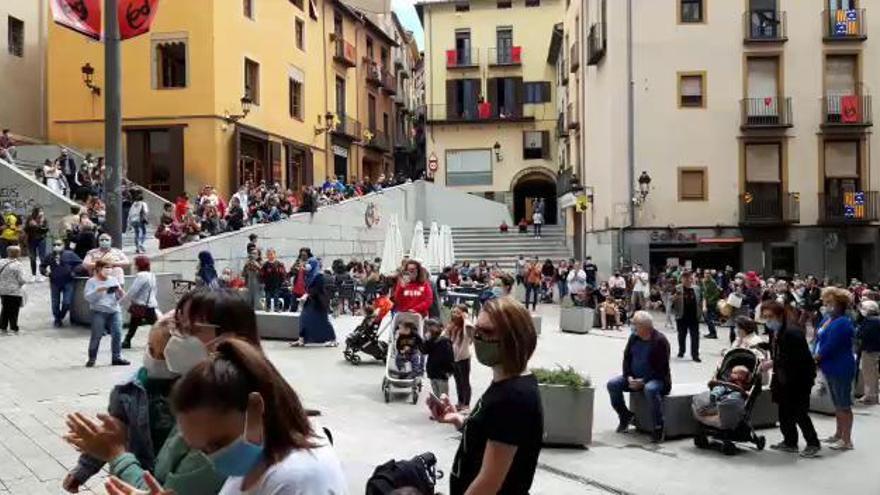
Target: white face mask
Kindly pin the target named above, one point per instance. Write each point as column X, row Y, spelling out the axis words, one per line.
column 104, row 243
column 184, row 353
column 107, row 272
column 157, row 368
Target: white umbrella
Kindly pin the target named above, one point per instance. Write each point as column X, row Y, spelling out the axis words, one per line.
column 398, row 242
column 447, row 244
column 417, row 248
column 432, row 260
column 390, row 259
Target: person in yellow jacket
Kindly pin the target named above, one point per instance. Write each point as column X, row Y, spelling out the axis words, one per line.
column 10, row 229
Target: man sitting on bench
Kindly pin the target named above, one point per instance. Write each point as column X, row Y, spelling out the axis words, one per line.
column 645, row 370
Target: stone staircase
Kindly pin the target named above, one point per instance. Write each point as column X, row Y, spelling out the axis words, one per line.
column 474, row 244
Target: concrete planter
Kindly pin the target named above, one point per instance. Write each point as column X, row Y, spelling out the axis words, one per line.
column 576, row 320
column 278, row 326
column 568, row 414
column 80, row 314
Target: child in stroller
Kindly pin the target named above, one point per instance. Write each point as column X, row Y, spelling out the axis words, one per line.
column 725, row 411
column 365, row 338
column 408, row 343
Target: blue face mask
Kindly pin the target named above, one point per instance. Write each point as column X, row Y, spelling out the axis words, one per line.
column 238, row 458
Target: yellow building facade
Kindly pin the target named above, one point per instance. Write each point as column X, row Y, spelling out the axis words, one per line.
column 183, row 85
column 490, row 95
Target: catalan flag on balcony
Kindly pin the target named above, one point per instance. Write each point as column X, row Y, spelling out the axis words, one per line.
column 846, row 22
column 854, row 205
column 850, row 109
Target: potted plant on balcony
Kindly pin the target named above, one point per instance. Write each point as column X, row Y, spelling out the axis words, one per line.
column 567, row 400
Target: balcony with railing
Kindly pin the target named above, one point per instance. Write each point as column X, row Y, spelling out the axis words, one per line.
column 771, row 210
column 486, row 113
column 844, row 25
column 462, row 58
column 374, row 73
column 596, row 44
column 344, row 53
column 574, row 59
column 572, row 116
column 844, row 208
column 842, row 111
column 765, row 26
column 561, row 129
column 505, row 56
column 343, row 125
column 376, row 139
column 389, row 82
column 403, row 141
column 766, row 113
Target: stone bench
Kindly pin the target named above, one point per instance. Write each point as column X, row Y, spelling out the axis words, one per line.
column 576, row 320
column 678, row 416
column 278, row 326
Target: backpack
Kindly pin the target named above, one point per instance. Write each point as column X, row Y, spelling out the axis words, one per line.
column 418, row 473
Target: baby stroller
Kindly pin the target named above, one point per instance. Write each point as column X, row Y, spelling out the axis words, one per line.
column 395, row 381
column 547, row 290
column 712, row 427
column 366, row 338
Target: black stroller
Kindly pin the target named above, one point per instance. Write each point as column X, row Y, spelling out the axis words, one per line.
column 743, row 432
column 365, row 338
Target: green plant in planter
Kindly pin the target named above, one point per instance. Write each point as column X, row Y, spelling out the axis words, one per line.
column 564, row 376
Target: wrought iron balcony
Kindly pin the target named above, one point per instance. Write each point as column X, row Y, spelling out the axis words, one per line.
column 766, row 113
column 765, row 26
column 343, row 125
column 345, row 53
column 844, row 208
column 574, row 60
column 843, row 111
column 759, row 210
column 389, row 82
column 488, row 113
column 505, row 56
column 374, row 73
column 845, row 25
column 596, row 44
column 462, row 58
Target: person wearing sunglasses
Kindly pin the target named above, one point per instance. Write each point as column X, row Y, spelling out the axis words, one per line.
column 60, row 266
column 502, row 436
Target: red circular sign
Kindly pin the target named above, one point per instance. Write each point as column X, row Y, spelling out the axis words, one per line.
column 432, row 163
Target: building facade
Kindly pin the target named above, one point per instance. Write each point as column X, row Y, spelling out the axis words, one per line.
column 752, row 121
column 23, row 69
column 490, row 96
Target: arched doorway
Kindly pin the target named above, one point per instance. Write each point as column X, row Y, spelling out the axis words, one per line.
column 527, row 187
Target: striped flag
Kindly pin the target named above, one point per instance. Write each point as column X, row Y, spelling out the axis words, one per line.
column 846, row 22
column 854, row 205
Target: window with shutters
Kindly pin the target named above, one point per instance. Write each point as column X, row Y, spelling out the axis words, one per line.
column 15, row 36
column 300, row 33
column 248, row 8
column 296, row 98
column 691, row 11
column 692, row 89
column 536, row 145
column 252, row 81
column 469, row 167
column 169, row 63
column 463, row 99
column 505, row 97
column 692, row 184
column 536, row 92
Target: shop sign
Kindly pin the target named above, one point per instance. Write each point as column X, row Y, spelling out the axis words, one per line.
column 673, row 236
column 340, row 151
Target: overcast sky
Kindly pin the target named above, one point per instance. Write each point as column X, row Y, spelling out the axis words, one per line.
column 410, row 20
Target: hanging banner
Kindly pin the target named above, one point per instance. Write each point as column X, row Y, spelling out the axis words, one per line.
column 135, row 17
column 82, row 16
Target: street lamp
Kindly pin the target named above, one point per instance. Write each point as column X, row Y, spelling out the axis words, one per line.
column 88, row 73
column 498, row 156
column 245, row 110
column 644, row 189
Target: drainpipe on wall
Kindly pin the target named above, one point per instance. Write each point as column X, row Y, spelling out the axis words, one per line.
column 630, row 131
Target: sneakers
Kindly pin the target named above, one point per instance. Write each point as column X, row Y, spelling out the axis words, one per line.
column 624, row 423
column 658, row 435
column 119, row 362
column 841, row 445
column 831, row 439
column 784, row 447
column 90, row 364
column 126, row 344
column 811, row 451
column 680, row 355
column 57, row 324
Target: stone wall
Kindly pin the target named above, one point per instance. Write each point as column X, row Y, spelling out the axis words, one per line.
column 24, row 193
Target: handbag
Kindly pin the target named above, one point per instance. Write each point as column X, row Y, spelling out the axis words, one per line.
column 142, row 311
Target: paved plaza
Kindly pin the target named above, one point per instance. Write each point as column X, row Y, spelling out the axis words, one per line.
column 42, row 378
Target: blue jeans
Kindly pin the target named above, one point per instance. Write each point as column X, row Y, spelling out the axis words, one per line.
column 36, row 253
column 563, row 289
column 102, row 322
column 653, row 392
column 62, row 298
column 414, row 359
column 140, row 234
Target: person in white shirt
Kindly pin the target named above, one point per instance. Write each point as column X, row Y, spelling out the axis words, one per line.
column 237, row 409
column 641, row 289
column 138, row 216
column 115, row 258
column 577, row 282
column 617, row 285
column 242, row 196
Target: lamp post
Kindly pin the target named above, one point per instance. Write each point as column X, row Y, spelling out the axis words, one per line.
column 644, row 189
column 88, row 73
column 113, row 122
column 497, row 148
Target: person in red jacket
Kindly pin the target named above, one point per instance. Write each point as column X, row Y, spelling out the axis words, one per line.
column 413, row 293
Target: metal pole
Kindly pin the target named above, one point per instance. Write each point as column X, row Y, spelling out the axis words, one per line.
column 112, row 123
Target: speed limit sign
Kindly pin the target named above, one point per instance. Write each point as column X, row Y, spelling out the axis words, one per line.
column 432, row 162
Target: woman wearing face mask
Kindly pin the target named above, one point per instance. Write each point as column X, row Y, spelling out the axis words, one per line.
column 11, row 289
column 60, row 266
column 794, row 373
column 140, row 433
column 834, row 354
column 315, row 326
column 237, row 409
column 103, row 292
column 413, row 292
column 461, row 333
column 113, row 258
column 142, row 296
column 501, row 439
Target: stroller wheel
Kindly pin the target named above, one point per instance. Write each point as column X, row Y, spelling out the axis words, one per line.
column 760, row 442
column 415, row 397
column 355, row 359
column 387, row 396
column 701, row 442
column 728, row 448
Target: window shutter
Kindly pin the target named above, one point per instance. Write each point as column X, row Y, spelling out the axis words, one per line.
column 473, row 97
column 762, row 163
column 545, row 144
column 545, row 91
column 691, row 86
column 842, row 159
column 518, row 96
column 692, row 185
column 492, row 86
column 309, row 172
column 451, row 103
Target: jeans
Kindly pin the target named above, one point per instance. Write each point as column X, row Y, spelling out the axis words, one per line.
column 685, row 327
column 9, row 312
column 710, row 317
column 461, row 370
column 414, row 359
column 140, row 234
column 653, row 392
column 36, row 252
column 275, row 300
column 537, row 230
column 62, row 298
column 532, row 294
column 102, row 322
column 793, row 412
column 562, row 285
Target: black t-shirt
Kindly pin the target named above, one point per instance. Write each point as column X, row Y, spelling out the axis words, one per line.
column 591, row 269
column 690, row 304
column 509, row 412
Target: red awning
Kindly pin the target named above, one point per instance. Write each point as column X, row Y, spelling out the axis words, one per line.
column 721, row 240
